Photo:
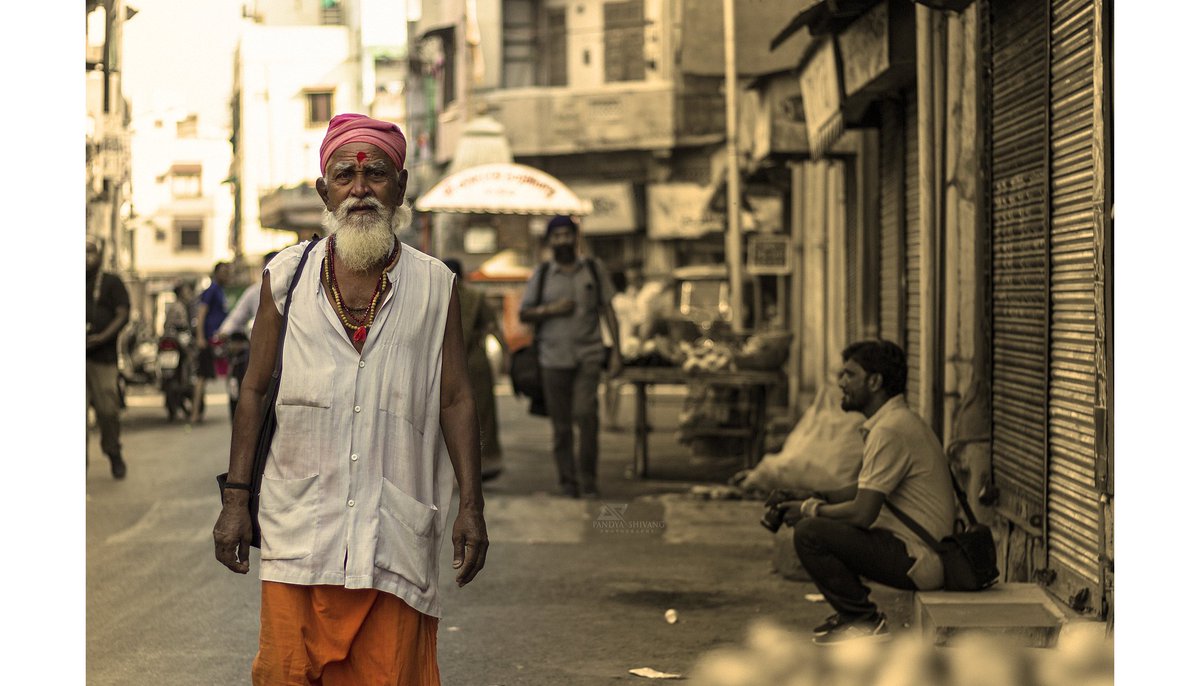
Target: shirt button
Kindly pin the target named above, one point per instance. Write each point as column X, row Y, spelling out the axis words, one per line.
column 361, row 364
column 357, row 408
column 350, row 503
column 354, row 457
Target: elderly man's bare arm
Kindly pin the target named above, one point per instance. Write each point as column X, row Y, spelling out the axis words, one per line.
column 460, row 427
column 232, row 532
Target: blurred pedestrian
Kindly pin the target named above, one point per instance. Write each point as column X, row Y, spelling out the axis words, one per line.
column 844, row 535
column 210, row 313
column 107, row 312
column 376, row 421
column 565, row 299
column 241, row 317
column 178, row 318
column 479, row 322
column 624, row 308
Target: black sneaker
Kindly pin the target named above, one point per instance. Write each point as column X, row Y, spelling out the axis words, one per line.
column 874, row 628
column 831, row 622
column 118, row 466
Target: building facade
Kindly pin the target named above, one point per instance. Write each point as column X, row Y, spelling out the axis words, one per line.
column 977, row 206
column 108, row 152
column 620, row 100
column 298, row 64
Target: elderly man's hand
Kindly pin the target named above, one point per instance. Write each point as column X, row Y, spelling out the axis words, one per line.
column 470, row 545
column 231, row 536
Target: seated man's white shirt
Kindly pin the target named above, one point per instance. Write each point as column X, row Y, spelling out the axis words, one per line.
column 904, row 460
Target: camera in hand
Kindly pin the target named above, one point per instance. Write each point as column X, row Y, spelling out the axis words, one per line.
column 772, row 519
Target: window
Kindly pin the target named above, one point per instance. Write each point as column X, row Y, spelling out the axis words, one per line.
column 535, row 44
column 185, row 181
column 520, row 43
column 554, row 56
column 186, row 127
column 331, row 12
column 189, row 234
column 624, row 41
column 318, row 107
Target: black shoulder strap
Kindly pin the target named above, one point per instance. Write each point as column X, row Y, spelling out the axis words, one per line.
column 541, row 282
column 595, row 277
column 920, row 530
column 287, row 307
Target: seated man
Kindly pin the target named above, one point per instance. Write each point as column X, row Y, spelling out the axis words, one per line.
column 847, row 534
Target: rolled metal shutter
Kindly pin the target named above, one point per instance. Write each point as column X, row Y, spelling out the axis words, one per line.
column 1020, row 316
column 891, row 223
column 912, row 252
column 1075, row 529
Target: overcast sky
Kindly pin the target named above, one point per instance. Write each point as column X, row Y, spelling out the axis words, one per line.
column 179, row 53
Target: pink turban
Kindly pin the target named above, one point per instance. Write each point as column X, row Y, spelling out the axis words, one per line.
column 359, row 128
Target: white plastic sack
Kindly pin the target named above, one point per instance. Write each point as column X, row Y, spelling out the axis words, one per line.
column 823, row 452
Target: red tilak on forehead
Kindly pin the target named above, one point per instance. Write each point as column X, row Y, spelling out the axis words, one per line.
column 361, row 156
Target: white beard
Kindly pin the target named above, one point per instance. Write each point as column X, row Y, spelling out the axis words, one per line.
column 364, row 241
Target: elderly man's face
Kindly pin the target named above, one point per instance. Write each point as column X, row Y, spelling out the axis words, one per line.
column 361, row 170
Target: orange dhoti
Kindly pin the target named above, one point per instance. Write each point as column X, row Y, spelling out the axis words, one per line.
column 334, row 636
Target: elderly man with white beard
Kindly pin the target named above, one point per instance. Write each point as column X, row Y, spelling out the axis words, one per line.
column 376, row 421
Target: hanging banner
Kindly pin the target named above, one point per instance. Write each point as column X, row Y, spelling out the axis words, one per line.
column 612, row 207
column 680, row 210
column 769, row 254
column 821, row 91
column 863, row 46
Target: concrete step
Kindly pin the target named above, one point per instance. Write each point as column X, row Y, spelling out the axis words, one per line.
column 1023, row 612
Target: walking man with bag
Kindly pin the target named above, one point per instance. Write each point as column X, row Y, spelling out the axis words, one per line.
column 374, row 423
column 565, row 300
column 848, row 534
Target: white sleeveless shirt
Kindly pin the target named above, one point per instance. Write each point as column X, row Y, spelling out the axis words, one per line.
column 358, row 482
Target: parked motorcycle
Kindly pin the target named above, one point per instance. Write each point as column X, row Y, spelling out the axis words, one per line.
column 176, row 369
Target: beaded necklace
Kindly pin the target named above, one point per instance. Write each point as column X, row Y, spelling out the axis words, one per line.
column 359, row 324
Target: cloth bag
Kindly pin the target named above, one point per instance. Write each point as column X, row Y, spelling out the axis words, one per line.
column 968, row 556
column 524, row 370
column 266, row 430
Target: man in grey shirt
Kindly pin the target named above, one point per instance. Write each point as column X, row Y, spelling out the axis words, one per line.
column 574, row 294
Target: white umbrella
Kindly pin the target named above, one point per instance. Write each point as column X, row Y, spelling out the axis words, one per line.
column 503, row 188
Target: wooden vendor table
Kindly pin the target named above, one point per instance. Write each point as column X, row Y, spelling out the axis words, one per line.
column 754, row 383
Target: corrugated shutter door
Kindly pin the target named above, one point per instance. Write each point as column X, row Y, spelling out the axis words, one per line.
column 1074, row 503
column 912, row 252
column 891, row 224
column 1019, row 218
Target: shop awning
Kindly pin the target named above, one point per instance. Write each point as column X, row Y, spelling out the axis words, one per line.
column 822, row 17
column 502, row 189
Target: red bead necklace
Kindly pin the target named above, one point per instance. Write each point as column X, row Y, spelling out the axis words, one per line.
column 356, row 323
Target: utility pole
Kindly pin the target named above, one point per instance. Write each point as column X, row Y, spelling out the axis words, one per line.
column 733, row 235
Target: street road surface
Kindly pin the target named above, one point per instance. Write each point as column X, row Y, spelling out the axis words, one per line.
column 574, row 592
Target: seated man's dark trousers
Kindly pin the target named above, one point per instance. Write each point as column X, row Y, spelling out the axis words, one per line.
column 837, row 554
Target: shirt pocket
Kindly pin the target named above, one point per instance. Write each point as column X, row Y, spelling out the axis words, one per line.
column 308, row 374
column 287, row 515
column 405, row 535
column 402, row 393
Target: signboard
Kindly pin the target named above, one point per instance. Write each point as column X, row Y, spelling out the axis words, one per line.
column 612, row 208
column 769, row 254
column 821, row 92
column 680, row 210
column 864, row 48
